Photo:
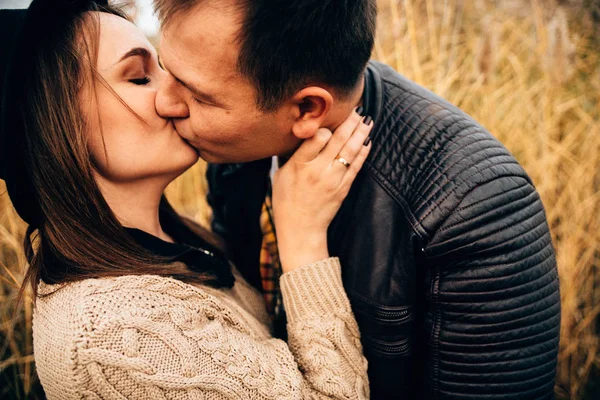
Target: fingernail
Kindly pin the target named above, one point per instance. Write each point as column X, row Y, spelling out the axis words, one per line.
column 367, row 141
column 367, row 120
column 359, row 111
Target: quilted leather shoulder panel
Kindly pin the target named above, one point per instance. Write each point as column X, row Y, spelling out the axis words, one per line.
column 496, row 303
column 430, row 153
column 493, row 301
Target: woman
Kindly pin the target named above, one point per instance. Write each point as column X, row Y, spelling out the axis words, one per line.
column 133, row 301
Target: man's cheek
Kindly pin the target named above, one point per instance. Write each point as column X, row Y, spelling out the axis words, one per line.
column 230, row 133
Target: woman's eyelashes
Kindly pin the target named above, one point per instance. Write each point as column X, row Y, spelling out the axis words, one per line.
column 140, row 81
column 136, row 70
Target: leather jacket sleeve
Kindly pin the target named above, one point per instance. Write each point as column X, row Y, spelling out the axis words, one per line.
column 493, row 307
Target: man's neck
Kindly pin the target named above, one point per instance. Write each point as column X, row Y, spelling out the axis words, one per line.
column 342, row 108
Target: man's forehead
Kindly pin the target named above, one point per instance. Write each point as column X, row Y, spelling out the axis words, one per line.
column 208, row 22
column 200, row 47
column 205, row 62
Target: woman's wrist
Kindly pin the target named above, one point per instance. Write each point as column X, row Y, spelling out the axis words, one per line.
column 314, row 290
column 302, row 250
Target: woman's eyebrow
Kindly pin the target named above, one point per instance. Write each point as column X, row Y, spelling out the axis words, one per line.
column 136, row 51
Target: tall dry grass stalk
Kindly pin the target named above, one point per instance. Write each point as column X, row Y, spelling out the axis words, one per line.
column 529, row 73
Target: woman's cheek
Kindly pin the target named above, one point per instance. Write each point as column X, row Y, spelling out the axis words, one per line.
column 141, row 100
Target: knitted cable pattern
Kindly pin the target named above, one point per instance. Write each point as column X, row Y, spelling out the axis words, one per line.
column 150, row 337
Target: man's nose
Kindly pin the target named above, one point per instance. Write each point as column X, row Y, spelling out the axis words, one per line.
column 168, row 102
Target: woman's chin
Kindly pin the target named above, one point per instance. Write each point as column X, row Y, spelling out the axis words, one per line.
column 188, row 152
column 180, row 161
column 191, row 159
column 177, row 172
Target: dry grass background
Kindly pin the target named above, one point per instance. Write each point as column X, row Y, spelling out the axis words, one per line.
column 528, row 71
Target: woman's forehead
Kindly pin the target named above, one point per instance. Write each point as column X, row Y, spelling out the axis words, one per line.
column 117, row 37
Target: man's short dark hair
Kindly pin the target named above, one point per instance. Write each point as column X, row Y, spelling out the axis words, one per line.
column 288, row 44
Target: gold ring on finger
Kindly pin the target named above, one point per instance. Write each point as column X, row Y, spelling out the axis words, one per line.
column 343, row 161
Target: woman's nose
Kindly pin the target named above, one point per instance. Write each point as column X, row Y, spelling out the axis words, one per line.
column 168, row 102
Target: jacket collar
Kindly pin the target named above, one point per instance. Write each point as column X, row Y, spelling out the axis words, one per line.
column 372, row 98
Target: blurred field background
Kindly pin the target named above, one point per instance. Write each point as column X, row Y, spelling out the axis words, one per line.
column 528, row 70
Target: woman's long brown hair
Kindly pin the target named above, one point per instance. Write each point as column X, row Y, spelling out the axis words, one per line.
column 79, row 237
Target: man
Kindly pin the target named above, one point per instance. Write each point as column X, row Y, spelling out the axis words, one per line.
column 446, row 253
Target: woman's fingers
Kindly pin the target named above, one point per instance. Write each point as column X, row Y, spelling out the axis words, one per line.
column 340, row 136
column 355, row 143
column 329, row 145
column 310, row 148
column 355, row 167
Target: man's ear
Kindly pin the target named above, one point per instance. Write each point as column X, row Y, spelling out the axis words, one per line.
column 311, row 106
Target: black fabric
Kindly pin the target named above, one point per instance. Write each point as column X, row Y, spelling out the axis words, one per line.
column 188, row 248
column 11, row 22
column 446, row 253
column 22, row 32
column 13, row 168
column 249, row 183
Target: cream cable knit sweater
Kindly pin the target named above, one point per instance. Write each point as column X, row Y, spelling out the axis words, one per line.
column 151, row 337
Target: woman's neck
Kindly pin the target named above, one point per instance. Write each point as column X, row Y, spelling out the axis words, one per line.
column 136, row 204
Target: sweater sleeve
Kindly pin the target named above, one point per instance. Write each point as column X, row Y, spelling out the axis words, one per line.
column 184, row 351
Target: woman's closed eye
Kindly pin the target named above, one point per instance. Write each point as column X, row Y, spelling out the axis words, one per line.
column 135, row 70
column 140, row 81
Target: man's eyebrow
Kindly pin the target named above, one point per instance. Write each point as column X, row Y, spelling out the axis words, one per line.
column 136, row 51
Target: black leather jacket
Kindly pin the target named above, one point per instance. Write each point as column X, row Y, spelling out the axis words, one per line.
column 445, row 251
